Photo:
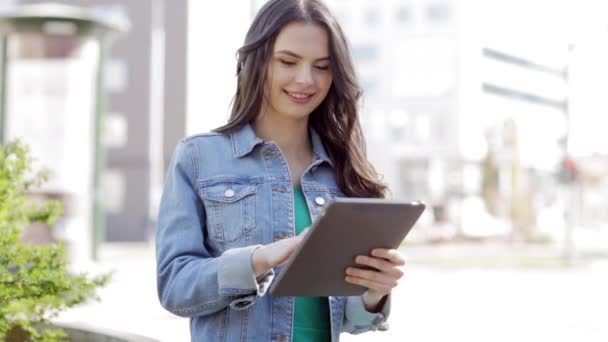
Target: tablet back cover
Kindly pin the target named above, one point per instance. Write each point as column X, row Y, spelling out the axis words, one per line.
column 349, row 227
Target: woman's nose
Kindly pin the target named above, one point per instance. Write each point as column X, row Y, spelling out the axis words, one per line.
column 304, row 76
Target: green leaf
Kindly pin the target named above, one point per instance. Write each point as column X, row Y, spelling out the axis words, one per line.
column 35, row 284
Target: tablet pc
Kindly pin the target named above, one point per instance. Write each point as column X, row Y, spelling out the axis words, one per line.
column 348, row 227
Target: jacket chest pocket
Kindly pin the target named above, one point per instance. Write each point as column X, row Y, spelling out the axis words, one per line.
column 230, row 210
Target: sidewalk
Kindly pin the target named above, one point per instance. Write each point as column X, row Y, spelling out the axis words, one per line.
column 129, row 303
column 487, row 255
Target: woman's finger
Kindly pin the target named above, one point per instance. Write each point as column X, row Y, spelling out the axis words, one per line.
column 279, row 252
column 374, row 276
column 392, row 255
column 380, row 264
column 382, row 288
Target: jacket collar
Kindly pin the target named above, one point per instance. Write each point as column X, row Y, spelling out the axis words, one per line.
column 244, row 140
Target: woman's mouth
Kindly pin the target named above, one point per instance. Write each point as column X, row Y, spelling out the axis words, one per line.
column 300, row 98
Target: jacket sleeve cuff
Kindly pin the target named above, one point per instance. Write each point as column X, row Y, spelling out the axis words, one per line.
column 237, row 279
column 362, row 320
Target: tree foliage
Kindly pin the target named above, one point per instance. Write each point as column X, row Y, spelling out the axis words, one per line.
column 35, row 283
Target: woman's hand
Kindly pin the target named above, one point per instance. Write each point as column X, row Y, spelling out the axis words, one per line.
column 388, row 269
column 274, row 254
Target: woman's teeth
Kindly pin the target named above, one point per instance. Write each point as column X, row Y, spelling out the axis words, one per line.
column 299, row 95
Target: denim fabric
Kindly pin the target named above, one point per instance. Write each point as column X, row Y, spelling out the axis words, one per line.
column 225, row 195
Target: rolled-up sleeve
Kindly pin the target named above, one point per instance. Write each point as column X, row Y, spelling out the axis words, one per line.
column 358, row 320
column 236, row 277
column 191, row 281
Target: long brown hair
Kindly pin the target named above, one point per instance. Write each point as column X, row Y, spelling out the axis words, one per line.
column 336, row 119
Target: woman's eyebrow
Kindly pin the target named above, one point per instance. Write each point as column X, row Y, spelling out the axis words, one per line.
column 293, row 54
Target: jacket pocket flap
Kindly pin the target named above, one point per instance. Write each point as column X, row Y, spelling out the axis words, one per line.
column 227, row 193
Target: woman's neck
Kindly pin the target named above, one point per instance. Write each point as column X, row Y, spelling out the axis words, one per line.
column 291, row 135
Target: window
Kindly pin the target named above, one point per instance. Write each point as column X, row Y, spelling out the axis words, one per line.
column 343, row 16
column 403, row 15
column 369, row 86
column 422, row 128
column 441, row 129
column 438, row 12
column 115, row 132
column 114, row 183
column 116, row 75
column 413, row 176
column 364, row 54
column 372, row 17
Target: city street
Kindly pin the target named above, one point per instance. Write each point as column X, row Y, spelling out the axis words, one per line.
column 499, row 305
column 488, row 112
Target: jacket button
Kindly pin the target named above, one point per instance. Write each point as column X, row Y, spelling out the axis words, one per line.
column 320, row 201
column 229, row 193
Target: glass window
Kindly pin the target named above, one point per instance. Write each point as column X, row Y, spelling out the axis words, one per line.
column 403, row 15
column 116, row 75
column 438, row 12
column 368, row 85
column 114, row 183
column 422, row 128
column 7, row 4
column 441, row 129
column 413, row 175
column 115, row 133
column 372, row 17
column 364, row 54
column 343, row 16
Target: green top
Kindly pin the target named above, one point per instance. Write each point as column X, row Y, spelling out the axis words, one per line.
column 311, row 315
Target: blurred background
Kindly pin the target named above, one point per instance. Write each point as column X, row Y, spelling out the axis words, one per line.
column 492, row 112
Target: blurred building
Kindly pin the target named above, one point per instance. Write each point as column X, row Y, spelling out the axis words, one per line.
column 406, row 54
column 7, row 3
column 436, row 95
column 144, row 118
column 445, row 79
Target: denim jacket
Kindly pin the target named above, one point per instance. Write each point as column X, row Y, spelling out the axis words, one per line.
column 224, row 195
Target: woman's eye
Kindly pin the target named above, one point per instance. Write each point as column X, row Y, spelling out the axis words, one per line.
column 322, row 67
column 287, row 62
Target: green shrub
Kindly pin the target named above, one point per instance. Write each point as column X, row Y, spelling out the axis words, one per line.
column 35, row 284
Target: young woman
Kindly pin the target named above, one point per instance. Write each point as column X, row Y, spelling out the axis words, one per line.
column 236, row 200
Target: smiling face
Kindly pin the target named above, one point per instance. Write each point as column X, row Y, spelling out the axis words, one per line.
column 299, row 73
